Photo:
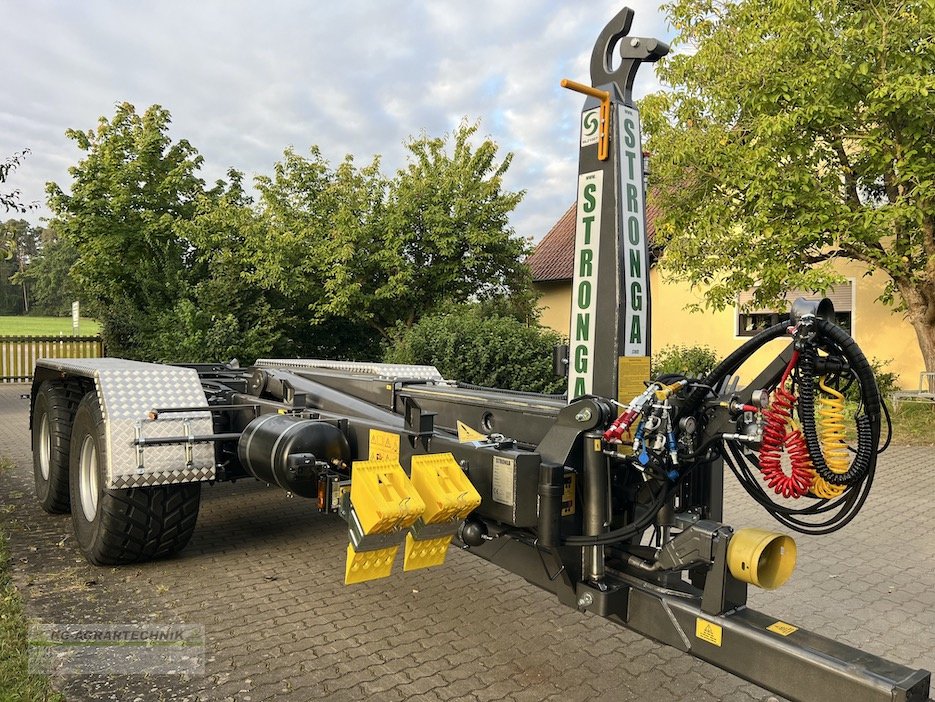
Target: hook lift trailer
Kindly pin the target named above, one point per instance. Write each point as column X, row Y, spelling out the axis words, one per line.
column 560, row 491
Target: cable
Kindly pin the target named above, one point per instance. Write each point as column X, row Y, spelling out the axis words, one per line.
column 777, row 435
column 833, row 443
column 841, row 510
column 868, row 424
column 627, row 532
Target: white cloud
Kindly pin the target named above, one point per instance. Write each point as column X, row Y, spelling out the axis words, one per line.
column 245, row 80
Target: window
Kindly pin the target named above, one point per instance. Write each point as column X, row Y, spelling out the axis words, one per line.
column 752, row 321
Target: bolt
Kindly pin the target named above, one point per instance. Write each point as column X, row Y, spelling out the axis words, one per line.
column 634, row 42
column 586, row 600
column 584, row 415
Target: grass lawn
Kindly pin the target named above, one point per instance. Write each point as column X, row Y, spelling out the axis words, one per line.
column 46, row 326
column 913, row 424
column 16, row 683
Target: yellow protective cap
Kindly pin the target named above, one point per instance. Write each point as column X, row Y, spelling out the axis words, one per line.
column 762, row 558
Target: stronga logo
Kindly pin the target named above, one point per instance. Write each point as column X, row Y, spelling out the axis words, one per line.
column 590, row 126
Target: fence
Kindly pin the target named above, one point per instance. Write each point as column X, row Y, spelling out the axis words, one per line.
column 18, row 354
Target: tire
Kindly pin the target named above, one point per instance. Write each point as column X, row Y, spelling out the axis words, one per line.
column 53, row 413
column 115, row 527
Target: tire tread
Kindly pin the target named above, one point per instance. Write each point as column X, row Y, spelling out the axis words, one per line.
column 138, row 524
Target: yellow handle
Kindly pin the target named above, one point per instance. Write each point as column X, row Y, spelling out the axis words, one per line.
column 603, row 149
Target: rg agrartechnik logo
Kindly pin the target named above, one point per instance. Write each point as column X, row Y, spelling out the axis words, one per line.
column 122, row 649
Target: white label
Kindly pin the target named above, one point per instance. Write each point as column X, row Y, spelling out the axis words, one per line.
column 633, row 232
column 503, row 473
column 590, row 126
column 584, row 288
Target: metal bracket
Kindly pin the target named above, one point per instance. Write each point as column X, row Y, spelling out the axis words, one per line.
column 603, row 143
column 419, row 424
column 190, row 444
column 138, row 435
column 722, row 591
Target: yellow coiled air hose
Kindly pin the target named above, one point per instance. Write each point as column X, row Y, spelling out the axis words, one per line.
column 831, row 430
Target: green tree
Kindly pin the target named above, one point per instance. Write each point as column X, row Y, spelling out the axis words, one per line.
column 219, row 314
column 128, row 198
column 48, row 277
column 354, row 244
column 20, row 242
column 11, row 200
column 796, row 133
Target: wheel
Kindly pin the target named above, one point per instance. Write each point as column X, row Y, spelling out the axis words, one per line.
column 114, row 527
column 52, row 417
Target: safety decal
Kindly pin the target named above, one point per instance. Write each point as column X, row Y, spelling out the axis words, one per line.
column 568, row 495
column 384, row 446
column 466, row 434
column 708, row 631
column 590, row 126
column 503, row 486
column 782, row 628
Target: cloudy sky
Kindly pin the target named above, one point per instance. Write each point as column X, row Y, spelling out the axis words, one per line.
column 244, row 80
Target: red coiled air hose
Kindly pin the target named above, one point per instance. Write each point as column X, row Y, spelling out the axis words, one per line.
column 778, row 434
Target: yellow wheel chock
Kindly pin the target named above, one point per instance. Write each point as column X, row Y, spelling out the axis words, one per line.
column 384, row 502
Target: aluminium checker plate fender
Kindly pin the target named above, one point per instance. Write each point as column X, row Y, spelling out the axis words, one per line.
column 128, row 391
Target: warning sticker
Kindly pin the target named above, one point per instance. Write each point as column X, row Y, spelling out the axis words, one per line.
column 568, row 494
column 708, row 631
column 503, row 472
column 631, row 372
column 466, row 434
column 384, row 446
column 782, row 628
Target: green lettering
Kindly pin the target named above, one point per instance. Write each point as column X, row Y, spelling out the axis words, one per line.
column 581, row 359
column 584, row 294
column 633, row 230
column 590, row 201
column 633, row 203
column 631, row 163
column 636, row 296
column 636, row 333
column 584, row 267
column 634, row 264
column 587, row 229
column 582, row 325
column 579, row 387
column 628, row 128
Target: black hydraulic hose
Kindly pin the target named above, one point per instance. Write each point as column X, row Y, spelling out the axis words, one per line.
column 868, row 424
column 845, row 507
column 736, row 359
column 730, row 364
column 623, row 533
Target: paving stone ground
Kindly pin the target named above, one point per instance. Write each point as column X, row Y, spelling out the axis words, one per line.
column 264, row 573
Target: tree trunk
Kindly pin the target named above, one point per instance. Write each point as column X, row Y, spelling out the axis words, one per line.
column 920, row 304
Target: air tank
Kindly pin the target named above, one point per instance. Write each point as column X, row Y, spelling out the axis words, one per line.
column 284, row 450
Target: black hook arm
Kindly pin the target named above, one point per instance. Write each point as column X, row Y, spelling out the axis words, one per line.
column 633, row 52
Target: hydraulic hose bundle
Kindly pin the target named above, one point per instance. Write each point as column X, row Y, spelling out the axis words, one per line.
column 825, row 359
column 795, row 448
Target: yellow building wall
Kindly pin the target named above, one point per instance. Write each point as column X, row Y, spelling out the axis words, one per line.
column 880, row 333
column 555, row 305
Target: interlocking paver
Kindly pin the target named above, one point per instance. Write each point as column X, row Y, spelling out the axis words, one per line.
column 264, row 575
